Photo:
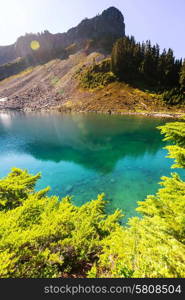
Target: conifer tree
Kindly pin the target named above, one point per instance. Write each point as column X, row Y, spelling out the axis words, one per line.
column 182, row 77
column 133, row 61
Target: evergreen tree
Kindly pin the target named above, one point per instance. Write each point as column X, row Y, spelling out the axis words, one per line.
column 132, row 62
column 154, row 245
column 124, row 59
column 182, row 77
column 175, row 132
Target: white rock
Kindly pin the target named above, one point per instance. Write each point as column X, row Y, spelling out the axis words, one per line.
column 3, row 99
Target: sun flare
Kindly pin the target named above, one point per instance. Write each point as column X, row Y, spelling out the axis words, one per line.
column 35, row 45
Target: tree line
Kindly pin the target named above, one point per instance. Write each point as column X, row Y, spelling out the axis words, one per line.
column 139, row 63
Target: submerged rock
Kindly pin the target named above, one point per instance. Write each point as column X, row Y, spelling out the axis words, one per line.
column 69, row 188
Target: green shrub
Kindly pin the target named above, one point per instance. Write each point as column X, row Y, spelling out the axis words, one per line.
column 94, row 80
column 97, row 75
column 41, row 236
column 174, row 96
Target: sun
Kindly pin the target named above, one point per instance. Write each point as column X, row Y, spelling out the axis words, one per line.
column 35, row 45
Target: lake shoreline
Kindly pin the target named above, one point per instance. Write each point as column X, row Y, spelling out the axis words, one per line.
column 144, row 114
column 155, row 114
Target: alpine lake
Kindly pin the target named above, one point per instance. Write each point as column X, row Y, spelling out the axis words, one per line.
column 84, row 155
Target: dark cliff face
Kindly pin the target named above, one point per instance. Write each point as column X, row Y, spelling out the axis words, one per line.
column 111, row 21
column 110, row 24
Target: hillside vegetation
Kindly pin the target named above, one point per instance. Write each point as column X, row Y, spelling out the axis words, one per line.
column 158, row 75
column 80, row 83
column 144, row 65
column 43, row 237
column 136, row 78
column 91, row 67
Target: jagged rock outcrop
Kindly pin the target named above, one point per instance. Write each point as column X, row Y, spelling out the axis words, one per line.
column 110, row 22
column 98, row 32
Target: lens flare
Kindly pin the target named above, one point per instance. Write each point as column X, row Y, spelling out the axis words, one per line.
column 35, row 45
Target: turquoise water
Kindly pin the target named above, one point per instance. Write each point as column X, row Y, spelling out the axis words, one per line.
column 83, row 155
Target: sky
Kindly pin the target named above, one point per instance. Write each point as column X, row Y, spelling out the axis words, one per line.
column 161, row 21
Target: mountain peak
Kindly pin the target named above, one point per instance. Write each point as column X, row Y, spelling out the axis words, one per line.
column 113, row 12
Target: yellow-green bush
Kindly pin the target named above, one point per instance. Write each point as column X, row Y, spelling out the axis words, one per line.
column 45, row 237
column 97, row 75
column 151, row 246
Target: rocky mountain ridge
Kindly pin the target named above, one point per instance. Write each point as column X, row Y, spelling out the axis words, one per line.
column 98, row 32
